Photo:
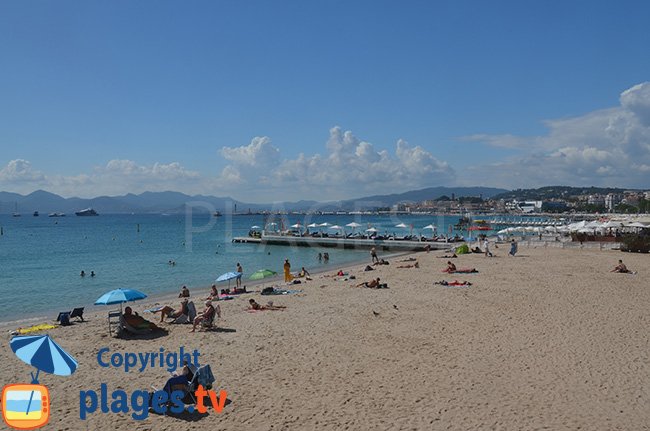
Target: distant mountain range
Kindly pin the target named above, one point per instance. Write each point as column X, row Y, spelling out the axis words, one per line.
column 174, row 202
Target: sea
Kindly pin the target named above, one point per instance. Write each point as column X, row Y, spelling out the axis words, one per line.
column 41, row 258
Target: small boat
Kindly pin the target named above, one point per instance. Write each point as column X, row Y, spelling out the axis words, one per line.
column 56, row 215
column 36, row 214
column 87, row 212
column 16, row 213
column 216, row 214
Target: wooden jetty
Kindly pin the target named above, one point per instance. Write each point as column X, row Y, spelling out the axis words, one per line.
column 350, row 243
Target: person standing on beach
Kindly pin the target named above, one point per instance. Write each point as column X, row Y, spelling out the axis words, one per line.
column 287, row 271
column 240, row 270
column 513, row 248
column 486, row 247
column 373, row 255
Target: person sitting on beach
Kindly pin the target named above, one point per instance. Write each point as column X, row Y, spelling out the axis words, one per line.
column 340, row 273
column 168, row 311
column 477, row 250
column 214, row 293
column 415, row 265
column 372, row 284
column 138, row 322
column 255, row 306
column 185, row 292
column 303, row 272
column 450, row 267
column 620, row 267
column 206, row 315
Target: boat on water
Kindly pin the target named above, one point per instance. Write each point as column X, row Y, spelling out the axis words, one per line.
column 86, row 212
column 56, row 215
column 16, row 213
column 216, row 214
column 35, row 214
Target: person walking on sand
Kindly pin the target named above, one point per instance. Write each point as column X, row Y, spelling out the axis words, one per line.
column 287, row 271
column 240, row 271
column 373, row 255
column 486, row 247
column 513, row 248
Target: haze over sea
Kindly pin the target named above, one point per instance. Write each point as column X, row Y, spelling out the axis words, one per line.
column 42, row 257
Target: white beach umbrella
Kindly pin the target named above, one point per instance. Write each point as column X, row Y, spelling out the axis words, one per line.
column 503, row 232
column 296, row 226
column 255, row 227
column 335, row 227
column 353, row 225
column 371, row 229
column 401, row 225
column 430, row 226
column 325, row 224
column 312, row 225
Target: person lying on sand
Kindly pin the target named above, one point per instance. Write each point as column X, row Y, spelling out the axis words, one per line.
column 450, row 267
column 269, row 306
column 381, row 262
column 453, row 283
column 446, row 256
column 139, row 322
column 372, row 284
column 416, row 265
column 410, row 259
column 168, row 311
column 620, row 267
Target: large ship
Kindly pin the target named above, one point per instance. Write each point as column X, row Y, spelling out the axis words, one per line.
column 86, row 212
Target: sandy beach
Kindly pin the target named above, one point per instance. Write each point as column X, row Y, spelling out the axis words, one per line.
column 547, row 340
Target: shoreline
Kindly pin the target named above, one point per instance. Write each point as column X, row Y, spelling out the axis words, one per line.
column 96, row 311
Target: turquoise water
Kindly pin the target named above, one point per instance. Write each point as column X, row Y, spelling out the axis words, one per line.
column 41, row 257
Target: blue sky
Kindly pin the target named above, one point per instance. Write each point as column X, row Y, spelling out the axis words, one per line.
column 326, row 99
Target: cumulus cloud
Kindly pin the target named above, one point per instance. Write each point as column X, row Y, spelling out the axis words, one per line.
column 350, row 167
column 20, row 171
column 609, row 147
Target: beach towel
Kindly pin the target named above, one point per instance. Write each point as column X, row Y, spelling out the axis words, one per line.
column 154, row 309
column 280, row 292
column 40, row 327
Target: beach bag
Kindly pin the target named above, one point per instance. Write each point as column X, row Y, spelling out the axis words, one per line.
column 65, row 319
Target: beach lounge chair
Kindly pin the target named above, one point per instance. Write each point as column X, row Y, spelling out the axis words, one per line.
column 199, row 376
column 135, row 331
column 114, row 321
column 64, row 316
column 207, row 325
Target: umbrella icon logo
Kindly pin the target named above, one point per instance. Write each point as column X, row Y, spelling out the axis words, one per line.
column 27, row 406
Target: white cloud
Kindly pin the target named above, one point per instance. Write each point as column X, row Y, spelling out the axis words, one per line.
column 350, row 167
column 609, row 147
column 20, row 171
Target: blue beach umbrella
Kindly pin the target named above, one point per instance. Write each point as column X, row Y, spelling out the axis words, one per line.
column 119, row 296
column 229, row 276
column 41, row 352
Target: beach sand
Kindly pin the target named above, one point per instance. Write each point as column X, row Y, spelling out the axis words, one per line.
column 547, row 340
